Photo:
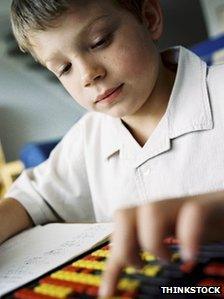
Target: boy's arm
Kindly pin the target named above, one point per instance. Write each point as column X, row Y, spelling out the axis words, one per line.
column 13, row 218
column 193, row 220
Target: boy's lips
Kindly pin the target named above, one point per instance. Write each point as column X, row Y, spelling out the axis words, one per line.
column 109, row 94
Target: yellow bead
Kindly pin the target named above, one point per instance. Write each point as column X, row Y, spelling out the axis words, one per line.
column 52, row 290
column 101, row 253
column 95, row 265
column 128, row 284
column 151, row 270
column 148, row 257
column 78, row 277
column 130, row 270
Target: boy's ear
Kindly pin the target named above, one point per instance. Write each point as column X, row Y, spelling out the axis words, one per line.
column 152, row 18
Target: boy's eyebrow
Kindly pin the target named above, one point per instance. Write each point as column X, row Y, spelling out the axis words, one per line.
column 84, row 29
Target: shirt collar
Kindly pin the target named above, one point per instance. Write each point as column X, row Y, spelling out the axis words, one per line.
column 188, row 109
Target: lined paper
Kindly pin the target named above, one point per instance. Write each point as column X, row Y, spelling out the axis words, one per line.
column 40, row 249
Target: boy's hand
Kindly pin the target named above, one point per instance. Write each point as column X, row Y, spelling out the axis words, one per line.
column 193, row 220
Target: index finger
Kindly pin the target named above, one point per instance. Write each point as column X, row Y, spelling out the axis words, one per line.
column 124, row 251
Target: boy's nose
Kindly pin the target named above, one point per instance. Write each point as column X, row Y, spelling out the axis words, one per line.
column 92, row 74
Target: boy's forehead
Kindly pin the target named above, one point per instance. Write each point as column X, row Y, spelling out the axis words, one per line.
column 86, row 13
column 74, row 24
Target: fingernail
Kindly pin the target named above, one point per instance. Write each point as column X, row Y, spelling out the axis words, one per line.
column 187, row 255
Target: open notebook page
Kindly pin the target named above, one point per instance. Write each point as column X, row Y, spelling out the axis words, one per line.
column 43, row 248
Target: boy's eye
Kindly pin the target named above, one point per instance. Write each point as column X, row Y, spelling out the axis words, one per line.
column 65, row 69
column 102, row 42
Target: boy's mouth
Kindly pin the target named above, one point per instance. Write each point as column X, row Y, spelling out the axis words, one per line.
column 109, row 94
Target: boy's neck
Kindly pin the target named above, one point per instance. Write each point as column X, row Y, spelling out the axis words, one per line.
column 142, row 124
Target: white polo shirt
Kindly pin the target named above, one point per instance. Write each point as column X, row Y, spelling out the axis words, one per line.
column 99, row 167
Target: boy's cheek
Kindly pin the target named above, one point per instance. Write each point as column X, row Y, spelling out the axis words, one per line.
column 76, row 94
column 136, row 62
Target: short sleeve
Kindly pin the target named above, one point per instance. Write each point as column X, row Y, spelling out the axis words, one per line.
column 58, row 189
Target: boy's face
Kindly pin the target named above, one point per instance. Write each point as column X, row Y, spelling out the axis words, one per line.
column 99, row 47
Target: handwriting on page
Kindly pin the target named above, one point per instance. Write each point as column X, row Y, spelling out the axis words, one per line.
column 40, row 249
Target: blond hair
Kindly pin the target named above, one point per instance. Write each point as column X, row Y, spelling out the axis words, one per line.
column 28, row 16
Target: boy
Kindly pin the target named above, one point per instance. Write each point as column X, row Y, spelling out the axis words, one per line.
column 149, row 138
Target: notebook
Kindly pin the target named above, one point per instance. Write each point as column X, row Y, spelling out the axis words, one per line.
column 40, row 249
